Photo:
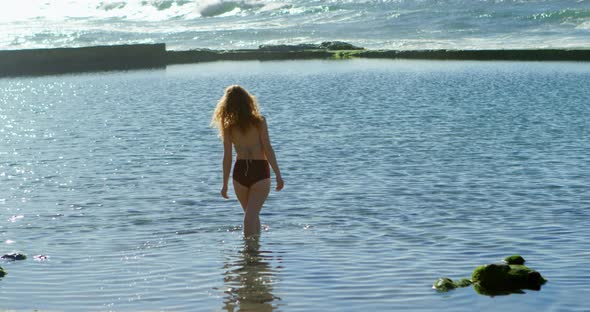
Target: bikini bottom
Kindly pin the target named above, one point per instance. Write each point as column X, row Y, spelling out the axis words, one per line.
column 249, row 171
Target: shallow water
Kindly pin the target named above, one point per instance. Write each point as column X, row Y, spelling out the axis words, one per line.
column 397, row 173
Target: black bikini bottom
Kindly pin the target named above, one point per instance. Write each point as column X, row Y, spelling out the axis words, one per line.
column 249, row 171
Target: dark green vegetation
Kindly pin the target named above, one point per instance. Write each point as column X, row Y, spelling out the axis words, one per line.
column 445, row 284
column 514, row 259
column 498, row 279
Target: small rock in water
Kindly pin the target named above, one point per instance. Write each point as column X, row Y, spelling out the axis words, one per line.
column 444, row 284
column 14, row 256
column 464, row 282
column 514, row 259
column 2, row 272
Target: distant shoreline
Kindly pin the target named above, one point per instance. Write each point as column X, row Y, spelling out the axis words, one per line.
column 35, row 62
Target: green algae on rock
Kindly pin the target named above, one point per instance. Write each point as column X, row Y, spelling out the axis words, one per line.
column 464, row 282
column 497, row 279
column 506, row 277
column 445, row 284
column 514, row 259
column 2, row 272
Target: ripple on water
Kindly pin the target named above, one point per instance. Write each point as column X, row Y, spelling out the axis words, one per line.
column 397, row 173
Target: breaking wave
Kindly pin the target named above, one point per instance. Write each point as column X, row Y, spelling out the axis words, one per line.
column 398, row 24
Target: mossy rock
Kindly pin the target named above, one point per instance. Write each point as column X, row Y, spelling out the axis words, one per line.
column 2, row 272
column 503, row 278
column 514, row 259
column 464, row 282
column 496, row 292
column 445, row 284
column 497, row 279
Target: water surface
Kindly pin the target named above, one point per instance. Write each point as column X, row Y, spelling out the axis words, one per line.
column 396, row 172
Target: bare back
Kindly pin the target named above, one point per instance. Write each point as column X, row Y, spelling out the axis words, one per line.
column 248, row 144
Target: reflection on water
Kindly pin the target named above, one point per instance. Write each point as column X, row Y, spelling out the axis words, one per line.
column 439, row 167
column 249, row 279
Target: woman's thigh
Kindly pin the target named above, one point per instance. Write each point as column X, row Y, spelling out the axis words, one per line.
column 242, row 194
column 258, row 193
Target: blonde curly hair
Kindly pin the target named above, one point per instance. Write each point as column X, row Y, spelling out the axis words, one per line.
column 237, row 108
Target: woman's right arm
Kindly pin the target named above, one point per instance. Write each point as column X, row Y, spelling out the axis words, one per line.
column 227, row 158
column 270, row 154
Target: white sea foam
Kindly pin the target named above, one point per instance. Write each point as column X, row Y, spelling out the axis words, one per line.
column 422, row 24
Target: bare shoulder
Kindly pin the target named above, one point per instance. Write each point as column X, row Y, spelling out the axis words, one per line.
column 263, row 126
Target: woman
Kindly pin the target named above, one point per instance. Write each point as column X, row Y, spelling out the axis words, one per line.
column 238, row 118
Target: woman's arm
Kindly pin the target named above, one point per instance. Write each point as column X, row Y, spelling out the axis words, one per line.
column 270, row 154
column 227, row 158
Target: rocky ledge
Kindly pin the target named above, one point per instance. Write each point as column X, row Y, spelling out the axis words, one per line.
column 138, row 56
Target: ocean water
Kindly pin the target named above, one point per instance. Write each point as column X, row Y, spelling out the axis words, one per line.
column 397, row 173
column 231, row 24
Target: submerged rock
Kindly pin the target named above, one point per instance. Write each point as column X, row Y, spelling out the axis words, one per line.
column 514, row 259
column 498, row 279
column 506, row 278
column 464, row 282
column 2, row 272
column 445, row 284
column 14, row 256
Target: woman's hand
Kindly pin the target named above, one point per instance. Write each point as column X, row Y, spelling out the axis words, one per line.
column 224, row 192
column 280, row 183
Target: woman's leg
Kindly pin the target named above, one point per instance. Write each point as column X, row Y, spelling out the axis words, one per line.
column 241, row 194
column 256, row 197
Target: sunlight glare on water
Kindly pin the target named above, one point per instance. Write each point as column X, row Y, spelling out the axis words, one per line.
column 397, row 173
